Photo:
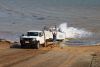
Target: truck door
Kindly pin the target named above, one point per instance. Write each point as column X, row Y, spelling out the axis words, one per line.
column 41, row 38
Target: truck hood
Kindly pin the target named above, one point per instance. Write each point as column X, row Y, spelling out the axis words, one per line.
column 29, row 37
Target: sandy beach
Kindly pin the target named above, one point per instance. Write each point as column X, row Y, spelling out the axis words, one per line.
column 79, row 19
column 68, row 56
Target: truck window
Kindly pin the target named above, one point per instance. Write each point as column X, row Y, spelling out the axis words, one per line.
column 32, row 34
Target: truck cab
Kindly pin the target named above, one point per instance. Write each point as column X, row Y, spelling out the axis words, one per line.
column 32, row 38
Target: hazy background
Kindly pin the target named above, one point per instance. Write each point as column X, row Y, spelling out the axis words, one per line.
column 23, row 15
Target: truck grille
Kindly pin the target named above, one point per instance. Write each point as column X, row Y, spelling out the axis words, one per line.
column 27, row 39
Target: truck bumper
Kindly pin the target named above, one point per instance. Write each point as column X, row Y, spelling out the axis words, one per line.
column 28, row 42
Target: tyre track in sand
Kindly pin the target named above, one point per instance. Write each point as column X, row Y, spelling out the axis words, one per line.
column 12, row 58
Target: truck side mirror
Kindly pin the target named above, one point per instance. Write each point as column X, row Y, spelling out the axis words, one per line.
column 22, row 35
column 40, row 34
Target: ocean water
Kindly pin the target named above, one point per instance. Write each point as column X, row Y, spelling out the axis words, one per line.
column 23, row 15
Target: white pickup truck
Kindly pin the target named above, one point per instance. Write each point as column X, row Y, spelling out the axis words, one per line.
column 35, row 38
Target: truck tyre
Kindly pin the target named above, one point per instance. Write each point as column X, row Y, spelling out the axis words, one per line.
column 38, row 45
column 22, row 46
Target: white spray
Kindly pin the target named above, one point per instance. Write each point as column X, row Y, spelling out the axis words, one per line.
column 72, row 32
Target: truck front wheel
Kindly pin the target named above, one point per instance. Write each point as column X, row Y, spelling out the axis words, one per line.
column 38, row 45
column 22, row 46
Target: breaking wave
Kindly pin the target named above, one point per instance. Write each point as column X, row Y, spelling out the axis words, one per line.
column 72, row 32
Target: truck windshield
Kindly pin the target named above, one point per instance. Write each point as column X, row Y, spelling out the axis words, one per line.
column 32, row 34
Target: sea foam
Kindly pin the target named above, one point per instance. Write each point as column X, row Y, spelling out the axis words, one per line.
column 72, row 32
